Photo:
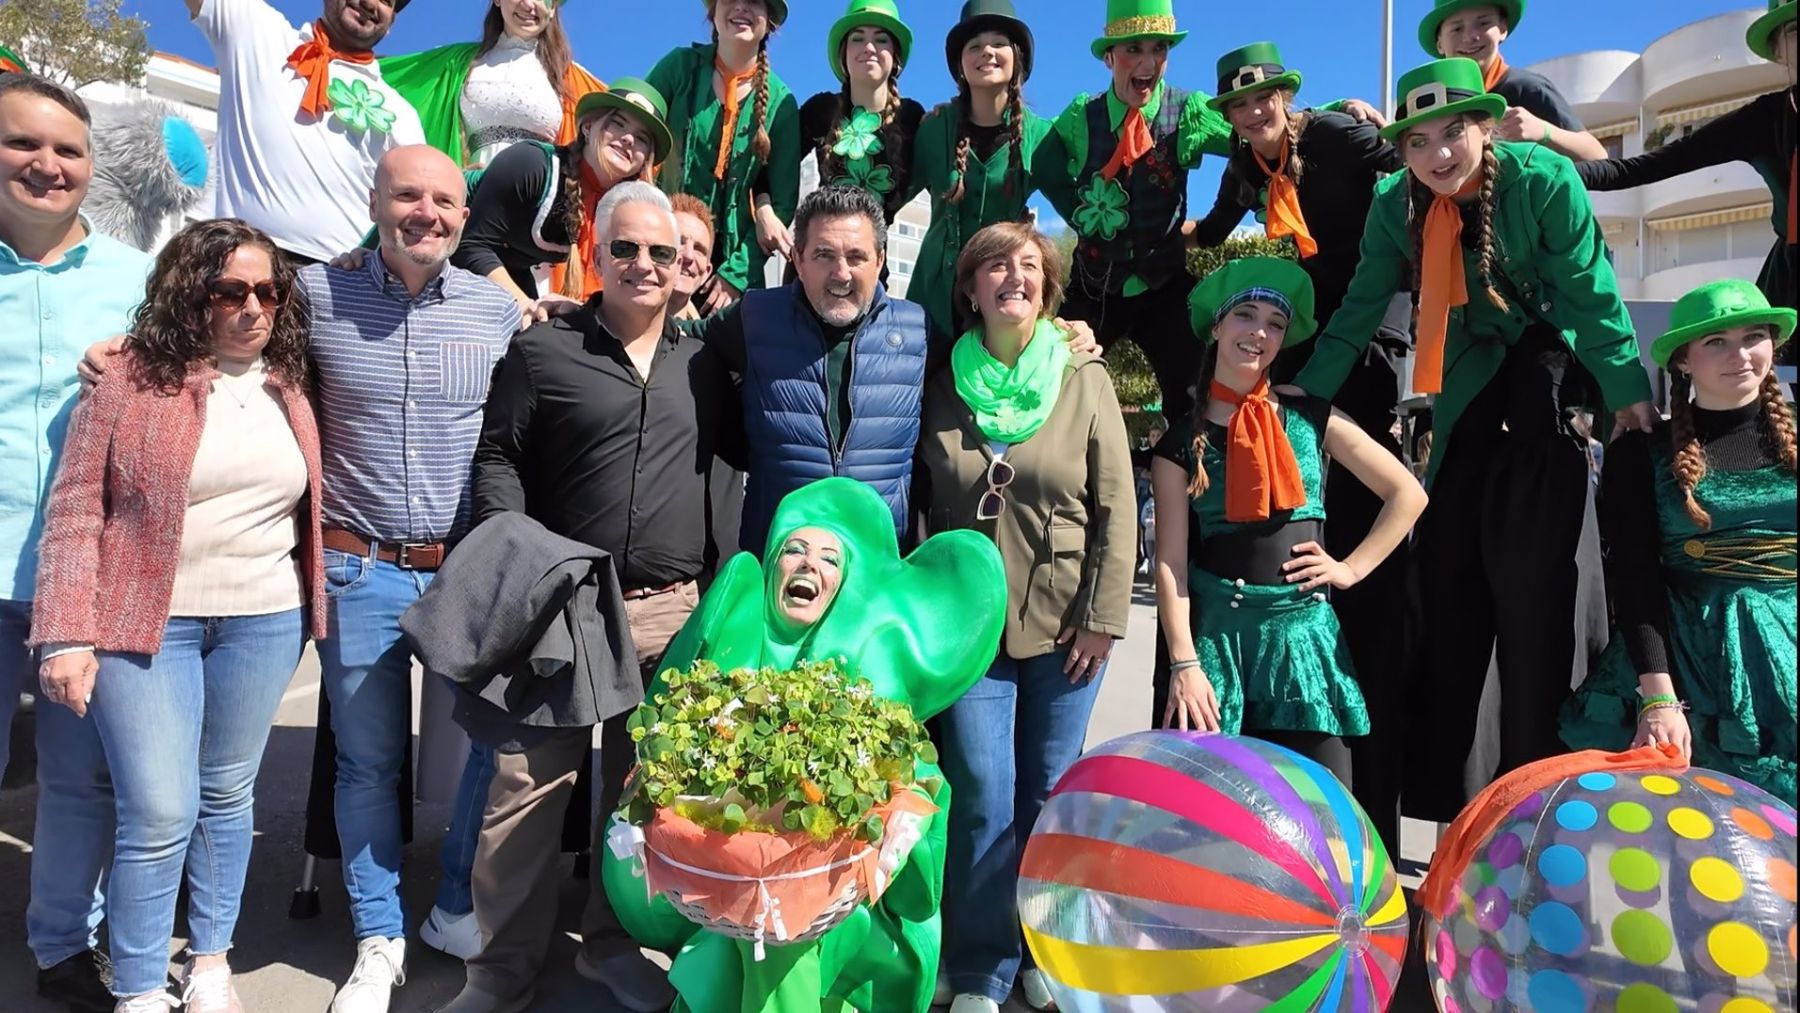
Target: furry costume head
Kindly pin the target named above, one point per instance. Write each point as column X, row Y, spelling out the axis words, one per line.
column 150, row 167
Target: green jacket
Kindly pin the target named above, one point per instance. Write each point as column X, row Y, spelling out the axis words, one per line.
column 1552, row 269
column 685, row 77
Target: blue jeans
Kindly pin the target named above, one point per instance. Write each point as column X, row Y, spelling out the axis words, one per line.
column 184, row 731
column 366, row 667
column 73, row 836
column 456, row 856
column 1006, row 743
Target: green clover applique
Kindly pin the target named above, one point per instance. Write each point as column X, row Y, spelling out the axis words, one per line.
column 857, row 137
column 359, row 109
column 1103, row 212
column 863, row 172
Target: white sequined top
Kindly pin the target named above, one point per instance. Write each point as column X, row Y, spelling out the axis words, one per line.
column 508, row 98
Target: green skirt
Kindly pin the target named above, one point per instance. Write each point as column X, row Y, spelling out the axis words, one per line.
column 1731, row 643
column 1275, row 658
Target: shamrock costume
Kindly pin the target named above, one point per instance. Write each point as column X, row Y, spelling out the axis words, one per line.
column 995, row 185
column 1714, row 608
column 1118, row 175
column 922, row 629
column 852, row 146
column 1275, row 655
column 1497, row 547
column 728, row 181
column 1760, row 134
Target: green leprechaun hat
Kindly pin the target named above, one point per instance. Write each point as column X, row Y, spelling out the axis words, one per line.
column 880, row 14
column 1716, row 306
column 1132, row 20
column 1256, row 67
column 777, row 11
column 640, row 99
column 1511, row 10
column 989, row 16
column 1438, row 89
column 1254, row 279
column 1761, row 36
column 12, row 63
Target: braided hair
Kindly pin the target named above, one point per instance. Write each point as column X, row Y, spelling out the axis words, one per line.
column 1688, row 463
column 760, row 145
column 1419, row 199
column 575, row 266
column 1209, row 364
column 1015, row 134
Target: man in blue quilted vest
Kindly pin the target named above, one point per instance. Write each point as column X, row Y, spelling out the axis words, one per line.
column 833, row 368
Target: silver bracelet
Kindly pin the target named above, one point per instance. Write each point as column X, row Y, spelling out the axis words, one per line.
column 1182, row 666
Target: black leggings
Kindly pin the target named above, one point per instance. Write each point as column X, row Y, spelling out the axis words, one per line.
column 1328, row 751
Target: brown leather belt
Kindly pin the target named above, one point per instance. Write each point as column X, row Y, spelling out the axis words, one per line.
column 405, row 555
column 640, row 593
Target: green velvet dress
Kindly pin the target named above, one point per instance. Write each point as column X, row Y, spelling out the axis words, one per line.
column 1730, row 629
column 1274, row 654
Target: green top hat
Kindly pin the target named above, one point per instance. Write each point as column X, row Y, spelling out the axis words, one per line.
column 1438, row 89
column 880, row 14
column 1256, row 67
column 1265, row 279
column 1513, row 10
column 989, row 16
column 777, row 11
column 638, row 98
column 1761, row 36
column 1131, row 20
column 11, row 62
column 1716, row 306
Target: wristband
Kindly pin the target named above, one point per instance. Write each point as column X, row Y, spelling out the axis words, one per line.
column 1546, row 138
column 1656, row 700
column 1182, row 666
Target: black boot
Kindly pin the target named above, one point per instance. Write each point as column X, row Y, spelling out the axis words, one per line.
column 82, row 982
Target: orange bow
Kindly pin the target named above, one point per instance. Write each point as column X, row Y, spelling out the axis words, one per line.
column 312, row 60
column 1261, row 475
column 1284, row 214
column 1494, row 72
column 1442, row 285
column 1134, row 143
column 728, row 118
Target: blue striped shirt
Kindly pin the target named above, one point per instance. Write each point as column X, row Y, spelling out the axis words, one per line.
column 401, row 384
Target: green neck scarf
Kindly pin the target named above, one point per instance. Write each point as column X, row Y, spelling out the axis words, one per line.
column 1010, row 404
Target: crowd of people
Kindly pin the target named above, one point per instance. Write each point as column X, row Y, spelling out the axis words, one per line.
column 476, row 282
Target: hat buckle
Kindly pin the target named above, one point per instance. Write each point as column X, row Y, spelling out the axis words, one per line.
column 1429, row 95
column 1247, row 76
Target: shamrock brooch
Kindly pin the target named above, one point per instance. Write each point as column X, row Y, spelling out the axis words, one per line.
column 857, row 136
column 1103, row 211
column 863, row 172
column 359, row 109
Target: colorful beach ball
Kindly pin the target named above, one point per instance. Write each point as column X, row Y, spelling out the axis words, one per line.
column 1182, row 871
column 1634, row 892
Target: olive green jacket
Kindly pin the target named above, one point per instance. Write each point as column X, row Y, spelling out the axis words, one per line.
column 1068, row 533
column 1551, row 268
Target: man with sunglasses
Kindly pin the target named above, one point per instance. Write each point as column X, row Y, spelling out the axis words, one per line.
column 61, row 283
column 603, row 425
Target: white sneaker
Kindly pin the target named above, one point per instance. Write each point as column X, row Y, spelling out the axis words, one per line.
column 457, row 935
column 380, row 965
column 968, row 1003
column 209, row 991
column 944, row 993
column 1037, row 989
column 150, row 1002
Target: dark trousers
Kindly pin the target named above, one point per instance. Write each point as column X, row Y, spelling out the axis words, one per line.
column 1157, row 322
column 1496, row 563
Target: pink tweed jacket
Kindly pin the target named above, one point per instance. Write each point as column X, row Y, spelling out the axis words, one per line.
column 112, row 533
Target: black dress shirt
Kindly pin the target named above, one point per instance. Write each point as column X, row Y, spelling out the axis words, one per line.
column 575, row 438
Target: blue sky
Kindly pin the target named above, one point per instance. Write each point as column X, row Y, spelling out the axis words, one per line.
column 1336, row 45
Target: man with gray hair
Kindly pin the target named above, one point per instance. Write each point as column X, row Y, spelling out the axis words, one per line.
column 602, row 425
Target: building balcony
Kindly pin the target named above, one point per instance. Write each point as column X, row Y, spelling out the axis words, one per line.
column 1705, row 61
column 1679, row 281
column 1721, row 186
column 1603, row 86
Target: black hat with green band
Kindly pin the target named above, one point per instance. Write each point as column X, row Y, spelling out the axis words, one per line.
column 1717, row 306
column 880, row 14
column 639, row 99
column 989, row 16
column 1438, row 89
column 1256, row 67
column 1273, row 280
column 1761, row 36
column 1443, row 10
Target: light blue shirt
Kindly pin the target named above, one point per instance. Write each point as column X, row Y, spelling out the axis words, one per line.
column 49, row 315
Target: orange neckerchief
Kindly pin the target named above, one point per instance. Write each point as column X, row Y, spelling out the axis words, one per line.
column 1134, row 143
column 1441, row 286
column 1284, row 214
column 312, row 60
column 1494, row 72
column 591, row 192
column 1261, row 475
column 9, row 67
column 728, row 117
column 1496, row 802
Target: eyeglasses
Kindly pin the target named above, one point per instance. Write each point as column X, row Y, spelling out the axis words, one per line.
column 230, row 295
column 625, row 249
column 1000, row 474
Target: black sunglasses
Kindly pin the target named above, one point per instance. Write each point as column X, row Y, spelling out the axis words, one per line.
column 626, row 249
column 231, row 295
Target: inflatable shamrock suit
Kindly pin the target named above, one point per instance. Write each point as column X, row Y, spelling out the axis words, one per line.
column 922, row 630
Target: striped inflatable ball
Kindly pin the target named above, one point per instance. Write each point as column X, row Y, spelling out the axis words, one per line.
column 1186, row 871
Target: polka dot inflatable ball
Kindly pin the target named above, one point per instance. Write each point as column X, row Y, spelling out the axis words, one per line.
column 1633, row 892
column 1185, row 872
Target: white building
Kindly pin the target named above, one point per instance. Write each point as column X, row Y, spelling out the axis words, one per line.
column 189, row 89
column 1714, row 223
